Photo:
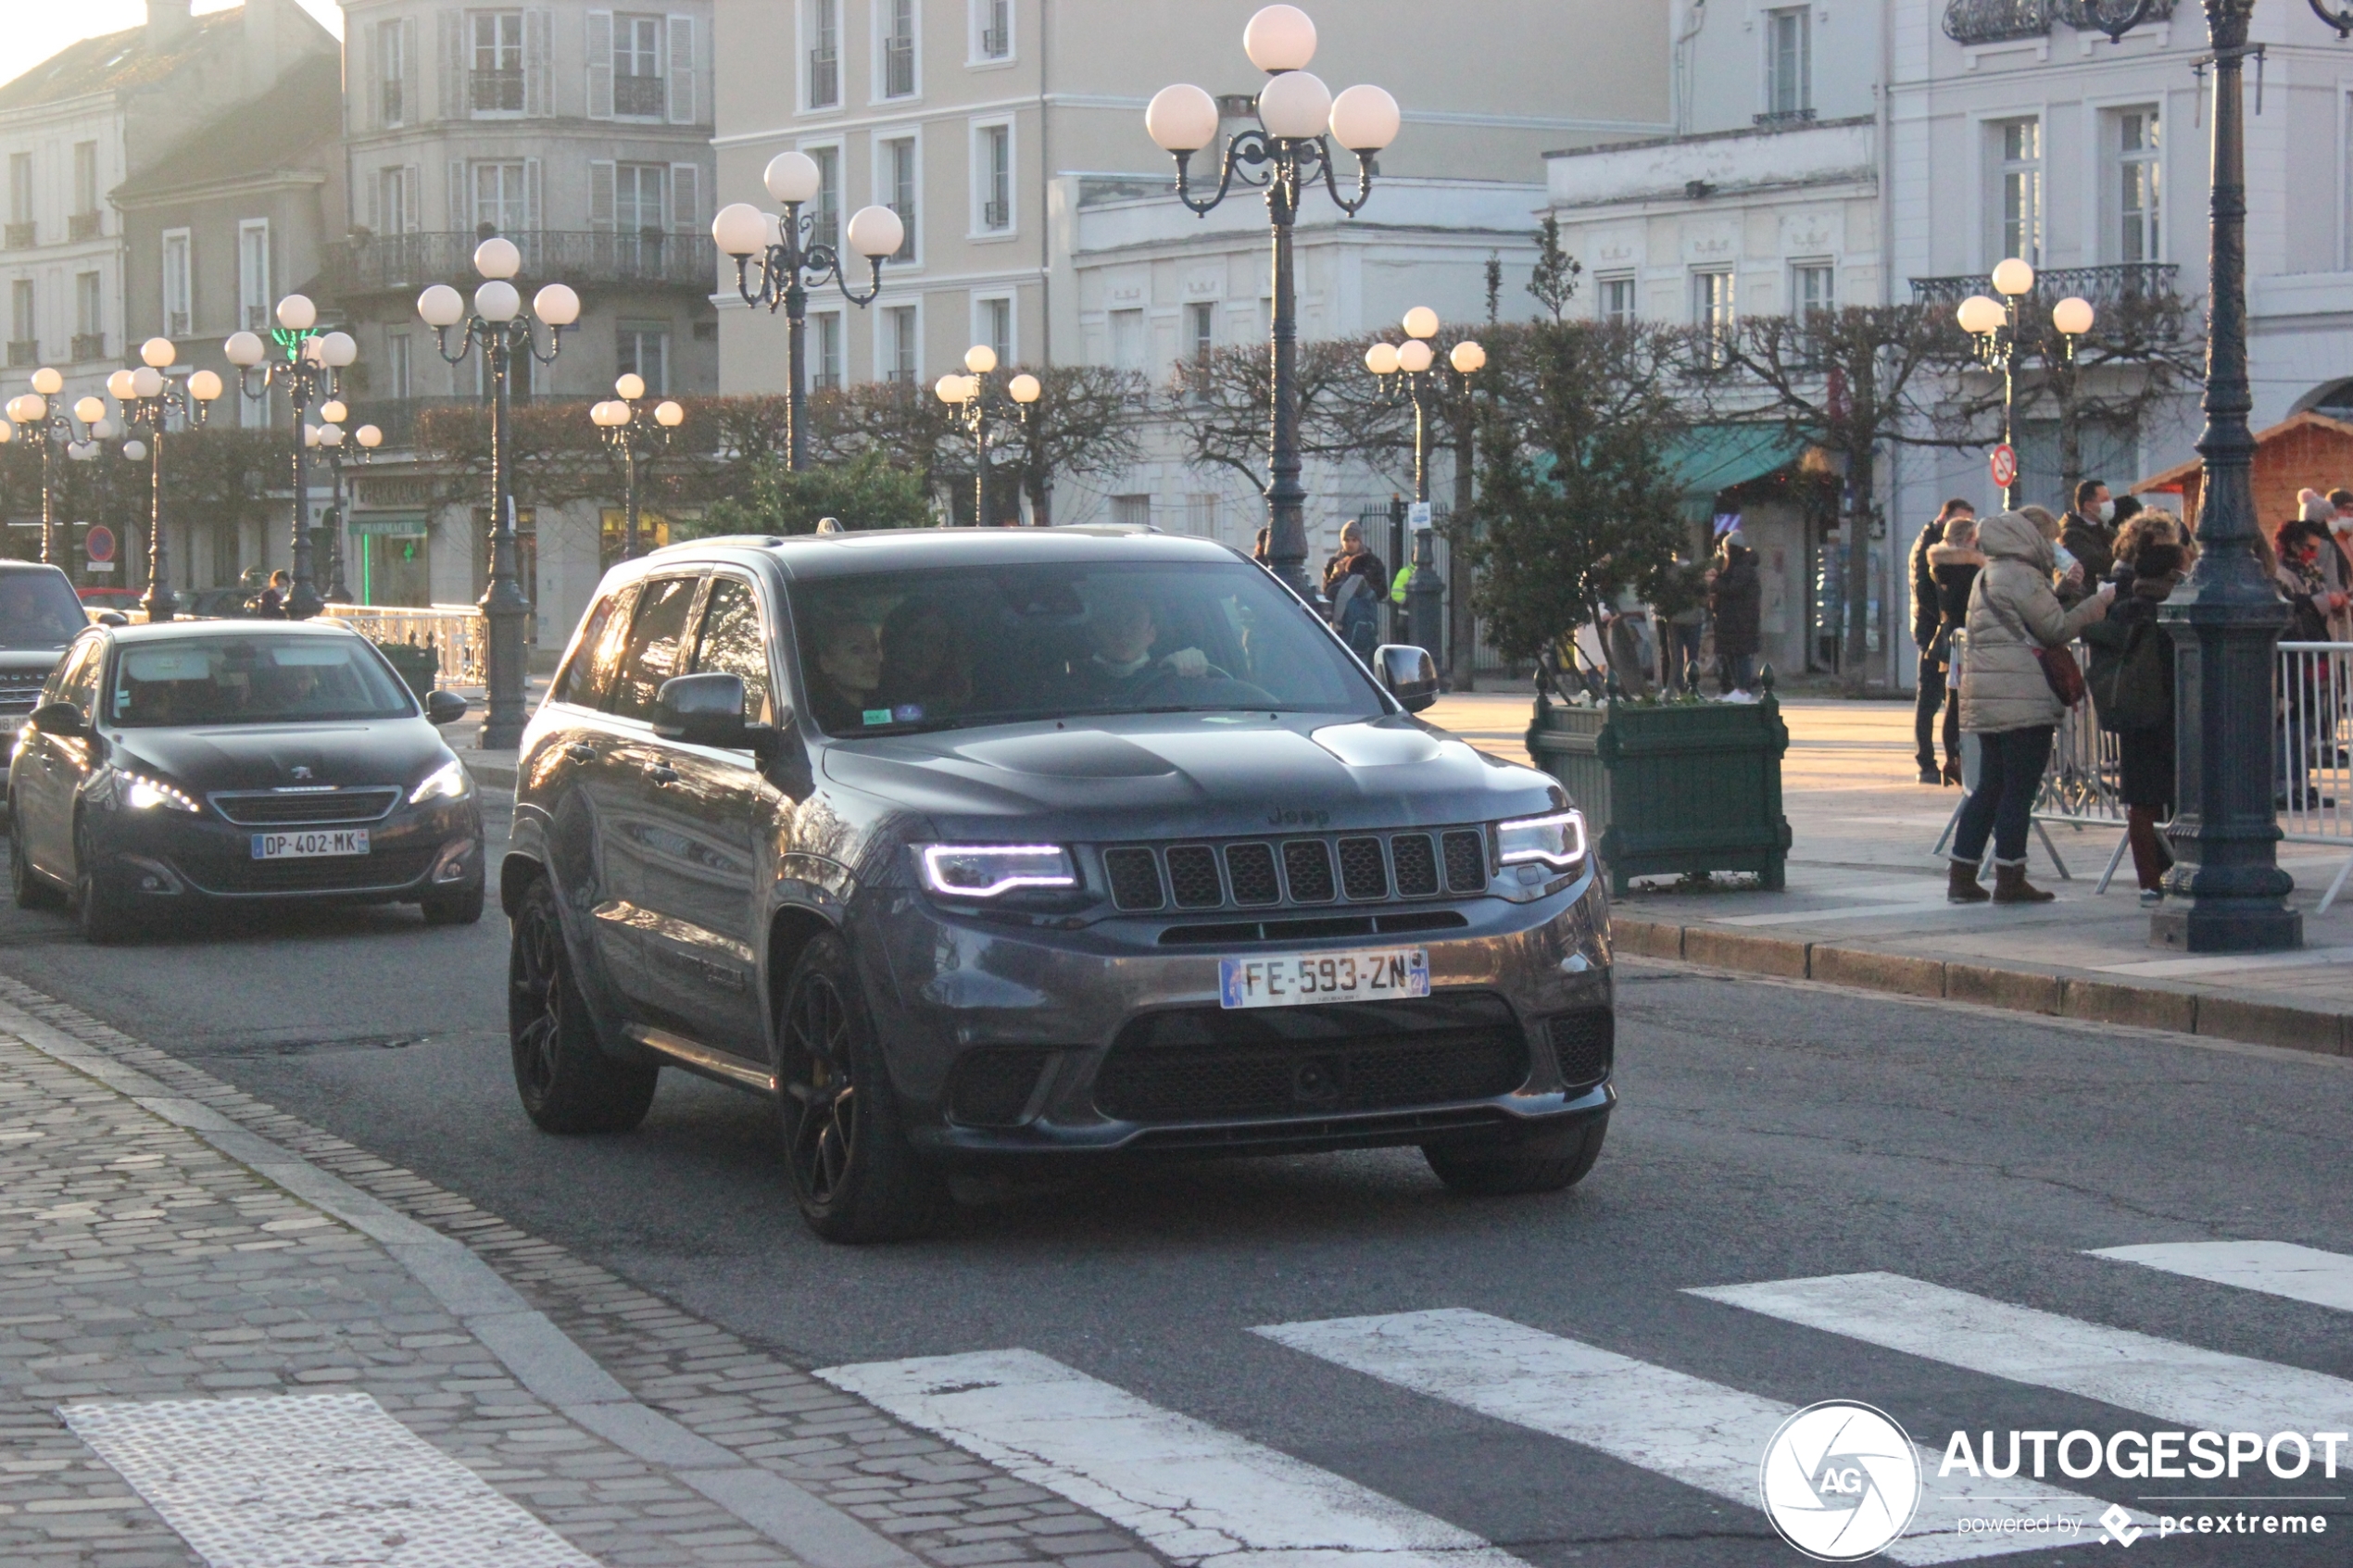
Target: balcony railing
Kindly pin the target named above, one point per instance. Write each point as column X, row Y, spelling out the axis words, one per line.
column 88, row 347
column 639, row 95
column 23, row 351
column 994, row 43
column 1993, row 21
column 825, row 227
column 21, row 235
column 2102, row 286
column 84, row 225
column 389, row 104
column 1774, row 119
column 408, row 261
column 175, row 324
column 995, row 213
column 824, row 78
column 2077, row 13
column 496, row 91
column 899, row 67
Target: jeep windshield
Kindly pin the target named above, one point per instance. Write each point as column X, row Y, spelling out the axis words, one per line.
column 893, row 652
column 38, row 610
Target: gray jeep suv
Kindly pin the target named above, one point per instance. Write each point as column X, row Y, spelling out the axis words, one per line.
column 971, row 845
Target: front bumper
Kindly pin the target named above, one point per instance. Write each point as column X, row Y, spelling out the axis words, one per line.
column 160, row 855
column 1007, row 1037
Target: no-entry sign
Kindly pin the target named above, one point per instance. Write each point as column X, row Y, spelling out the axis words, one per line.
column 99, row 544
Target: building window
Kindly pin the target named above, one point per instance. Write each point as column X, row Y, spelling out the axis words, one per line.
column 1813, row 288
column 24, row 335
column 496, row 83
column 993, row 29
column 1201, row 331
column 252, row 275
column 643, row 347
column 898, row 48
column 636, row 198
column 399, row 380
column 89, row 317
column 2137, row 180
column 1789, row 66
column 825, row 350
column 993, row 324
column 824, row 53
column 1131, row 511
column 2020, row 203
column 392, row 70
column 499, row 198
column 20, row 230
column 898, row 181
column 993, row 177
column 1712, row 301
column 637, row 68
column 176, row 280
column 1201, row 516
column 825, row 214
column 1128, row 340
column 394, row 214
column 1614, row 299
column 82, row 223
column 900, row 360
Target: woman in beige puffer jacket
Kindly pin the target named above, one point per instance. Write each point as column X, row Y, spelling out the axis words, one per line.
column 2006, row 700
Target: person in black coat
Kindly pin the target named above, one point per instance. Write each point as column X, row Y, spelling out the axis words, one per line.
column 1736, row 600
column 2150, row 560
column 1928, row 695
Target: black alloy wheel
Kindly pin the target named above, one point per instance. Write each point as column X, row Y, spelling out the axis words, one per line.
column 1547, row 1165
column 566, row 1081
column 459, row 906
column 854, row 1172
column 106, row 911
column 33, row 890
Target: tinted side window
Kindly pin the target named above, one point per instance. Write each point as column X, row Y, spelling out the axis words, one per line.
column 734, row 643
column 655, row 650
column 577, row 682
column 76, row 678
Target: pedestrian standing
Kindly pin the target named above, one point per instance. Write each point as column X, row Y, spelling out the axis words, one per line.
column 1353, row 583
column 2088, row 534
column 2336, row 562
column 1953, row 567
column 1736, row 599
column 1928, row 695
column 272, row 604
column 2008, row 701
column 1680, row 605
column 2136, row 702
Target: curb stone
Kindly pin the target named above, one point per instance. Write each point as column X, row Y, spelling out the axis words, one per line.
column 2016, row 990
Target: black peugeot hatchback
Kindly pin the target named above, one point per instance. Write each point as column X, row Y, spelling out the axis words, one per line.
column 968, row 846
column 192, row 764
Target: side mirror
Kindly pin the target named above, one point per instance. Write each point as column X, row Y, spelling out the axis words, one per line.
column 703, row 711
column 59, row 719
column 1409, row 672
column 445, row 708
column 111, row 618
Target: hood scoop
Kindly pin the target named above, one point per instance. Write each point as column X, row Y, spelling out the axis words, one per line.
column 1069, row 753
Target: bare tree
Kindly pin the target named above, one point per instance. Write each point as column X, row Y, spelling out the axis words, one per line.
column 1220, row 399
column 1083, row 425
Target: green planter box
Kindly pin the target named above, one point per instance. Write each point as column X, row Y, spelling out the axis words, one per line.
column 417, row 666
column 1672, row 787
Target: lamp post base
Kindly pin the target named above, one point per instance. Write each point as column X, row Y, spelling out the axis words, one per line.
column 2227, row 925
column 505, row 714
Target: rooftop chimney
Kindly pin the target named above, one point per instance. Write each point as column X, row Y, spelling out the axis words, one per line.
column 168, row 22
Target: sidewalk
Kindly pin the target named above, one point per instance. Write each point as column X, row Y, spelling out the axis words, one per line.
column 225, row 1335
column 1865, row 902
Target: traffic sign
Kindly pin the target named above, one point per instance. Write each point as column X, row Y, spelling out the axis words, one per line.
column 99, row 544
column 2005, row 465
column 1417, row 514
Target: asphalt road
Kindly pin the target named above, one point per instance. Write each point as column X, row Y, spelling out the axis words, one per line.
column 1768, row 1132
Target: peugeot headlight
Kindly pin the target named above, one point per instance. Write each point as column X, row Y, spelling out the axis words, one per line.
column 144, row 794
column 987, row 870
column 1557, row 840
column 444, row 783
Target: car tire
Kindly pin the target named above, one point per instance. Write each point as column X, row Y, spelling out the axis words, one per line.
column 566, row 1081
column 1550, row 1164
column 33, row 890
column 106, row 914
column 462, row 907
column 854, row 1174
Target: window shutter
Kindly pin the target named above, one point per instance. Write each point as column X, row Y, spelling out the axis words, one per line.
column 460, row 212
column 682, row 70
column 411, row 111
column 539, row 76
column 600, row 65
column 413, row 216
column 530, row 195
column 362, row 99
column 600, row 196
column 375, row 202
column 685, row 198
column 453, row 65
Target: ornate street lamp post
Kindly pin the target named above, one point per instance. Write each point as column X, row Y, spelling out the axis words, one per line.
column 501, row 330
column 1995, row 326
column 633, row 429
column 791, row 261
column 1414, row 362
column 971, row 398
column 1285, row 153
column 37, row 411
column 309, row 365
column 328, row 435
column 149, row 398
column 2226, row 892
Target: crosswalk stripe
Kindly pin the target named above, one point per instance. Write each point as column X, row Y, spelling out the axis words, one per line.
column 1196, row 1493
column 2276, row 1268
column 1702, row 1433
column 2180, row 1382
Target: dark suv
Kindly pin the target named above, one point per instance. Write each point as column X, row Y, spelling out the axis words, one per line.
column 966, row 846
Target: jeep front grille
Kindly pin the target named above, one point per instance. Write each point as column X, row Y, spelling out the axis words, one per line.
column 1262, row 874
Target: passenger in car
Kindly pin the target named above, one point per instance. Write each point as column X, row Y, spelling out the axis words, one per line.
column 926, row 661
column 849, row 663
column 1120, row 630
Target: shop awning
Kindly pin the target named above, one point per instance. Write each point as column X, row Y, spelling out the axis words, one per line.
column 1711, row 457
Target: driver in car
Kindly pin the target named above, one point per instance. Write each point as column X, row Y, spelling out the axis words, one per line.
column 1119, row 668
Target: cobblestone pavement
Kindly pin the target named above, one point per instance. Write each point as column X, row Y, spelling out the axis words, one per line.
column 138, row 1262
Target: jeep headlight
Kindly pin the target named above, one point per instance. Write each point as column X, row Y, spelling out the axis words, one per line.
column 144, row 794
column 987, row 870
column 1557, row 840
column 444, row 783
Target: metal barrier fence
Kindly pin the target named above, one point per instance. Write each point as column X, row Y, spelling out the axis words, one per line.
column 2311, row 762
column 457, row 634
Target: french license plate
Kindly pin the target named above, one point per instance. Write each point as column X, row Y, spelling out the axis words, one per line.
column 1284, row 980
column 307, row 846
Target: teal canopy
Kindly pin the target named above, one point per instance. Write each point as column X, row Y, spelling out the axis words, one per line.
column 1710, row 457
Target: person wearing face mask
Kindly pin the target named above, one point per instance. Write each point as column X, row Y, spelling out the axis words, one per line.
column 2088, row 533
